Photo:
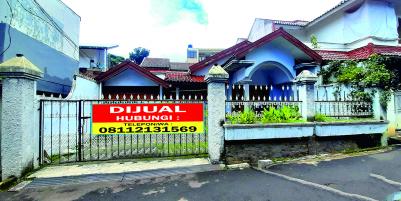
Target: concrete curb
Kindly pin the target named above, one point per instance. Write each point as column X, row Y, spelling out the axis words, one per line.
column 120, row 177
column 239, row 166
column 19, row 186
column 318, row 186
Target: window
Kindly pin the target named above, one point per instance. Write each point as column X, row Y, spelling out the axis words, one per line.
column 191, row 54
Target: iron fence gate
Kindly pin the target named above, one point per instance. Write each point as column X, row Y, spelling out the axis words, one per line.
column 66, row 136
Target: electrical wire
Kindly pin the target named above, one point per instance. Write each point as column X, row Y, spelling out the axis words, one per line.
column 9, row 28
column 54, row 23
column 51, row 23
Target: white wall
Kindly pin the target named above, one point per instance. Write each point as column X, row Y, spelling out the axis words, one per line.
column 374, row 21
column 260, row 28
column 84, row 88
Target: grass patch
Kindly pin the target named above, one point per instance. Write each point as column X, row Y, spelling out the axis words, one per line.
column 8, row 183
column 150, row 151
column 282, row 159
column 324, row 118
column 356, row 151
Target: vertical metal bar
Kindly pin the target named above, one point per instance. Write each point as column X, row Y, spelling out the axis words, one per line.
column 162, row 144
column 105, row 146
column 59, row 132
column 68, row 131
column 111, row 146
column 97, row 136
column 137, row 144
column 186, row 144
column 144, row 144
column 125, row 152
column 174, row 147
column 51, row 131
column 79, row 130
column 168, row 144
column 180, row 144
column 205, row 132
column 131, row 143
column 118, row 145
column 150, row 144
column 76, row 130
column 85, row 128
column 40, row 132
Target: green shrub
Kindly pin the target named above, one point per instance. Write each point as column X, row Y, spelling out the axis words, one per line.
column 284, row 114
column 246, row 117
column 232, row 118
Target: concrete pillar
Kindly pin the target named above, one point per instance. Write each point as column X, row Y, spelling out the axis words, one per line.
column 18, row 149
column 216, row 90
column 376, row 107
column 391, row 115
column 306, row 83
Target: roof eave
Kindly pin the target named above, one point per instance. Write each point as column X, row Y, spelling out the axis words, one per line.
column 333, row 10
column 280, row 32
column 126, row 65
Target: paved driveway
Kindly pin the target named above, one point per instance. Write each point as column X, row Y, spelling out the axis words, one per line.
column 370, row 177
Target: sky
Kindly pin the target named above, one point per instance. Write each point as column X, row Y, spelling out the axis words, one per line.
column 166, row 27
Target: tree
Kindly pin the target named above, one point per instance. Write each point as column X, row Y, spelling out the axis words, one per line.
column 377, row 71
column 115, row 59
column 138, row 55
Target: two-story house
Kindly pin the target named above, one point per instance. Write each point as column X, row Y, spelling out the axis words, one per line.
column 276, row 51
column 45, row 32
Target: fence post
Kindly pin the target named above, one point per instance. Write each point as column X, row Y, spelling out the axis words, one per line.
column 306, row 83
column 216, row 97
column 19, row 153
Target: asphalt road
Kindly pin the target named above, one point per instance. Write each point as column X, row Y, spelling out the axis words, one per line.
column 358, row 175
column 350, row 175
column 220, row 186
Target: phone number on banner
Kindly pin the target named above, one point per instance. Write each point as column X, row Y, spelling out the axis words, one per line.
column 147, row 128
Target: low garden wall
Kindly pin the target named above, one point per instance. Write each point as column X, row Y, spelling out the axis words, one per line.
column 253, row 142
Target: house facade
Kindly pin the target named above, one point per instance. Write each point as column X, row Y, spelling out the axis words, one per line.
column 45, row 32
column 276, row 51
column 350, row 25
column 266, row 63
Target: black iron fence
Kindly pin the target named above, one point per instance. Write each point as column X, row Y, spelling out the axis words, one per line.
column 66, row 136
column 234, row 106
column 350, row 108
column 261, row 97
column 338, row 101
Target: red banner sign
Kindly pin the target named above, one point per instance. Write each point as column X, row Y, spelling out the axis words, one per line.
column 147, row 118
